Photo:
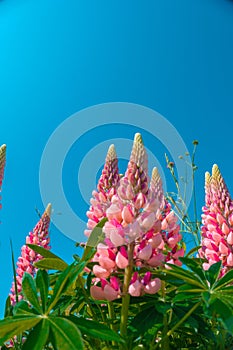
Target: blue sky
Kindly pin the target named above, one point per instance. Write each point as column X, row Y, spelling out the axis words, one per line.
column 57, row 58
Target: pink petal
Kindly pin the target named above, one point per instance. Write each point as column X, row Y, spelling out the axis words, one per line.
column 155, row 241
column 145, row 253
column 225, row 229
column 97, row 293
column 135, row 289
column 230, row 238
column 121, row 261
column 153, row 286
column 110, row 293
column 100, row 271
column 230, row 260
column 223, row 248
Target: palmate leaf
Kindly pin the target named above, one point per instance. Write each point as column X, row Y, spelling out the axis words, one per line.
column 30, row 292
column 185, row 276
column 22, row 308
column 224, row 311
column 42, row 283
column 65, row 279
column 42, row 251
column 94, row 239
column 195, row 266
column 65, row 334
column 213, row 272
column 94, row 329
column 225, row 280
column 11, row 326
column 38, row 337
column 51, row 264
column 8, row 307
column 146, row 319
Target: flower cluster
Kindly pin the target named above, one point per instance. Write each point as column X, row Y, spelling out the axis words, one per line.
column 141, row 229
column 217, row 220
column 40, row 237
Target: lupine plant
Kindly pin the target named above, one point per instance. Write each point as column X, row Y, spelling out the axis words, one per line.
column 134, row 286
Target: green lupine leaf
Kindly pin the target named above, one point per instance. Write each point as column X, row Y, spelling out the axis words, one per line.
column 96, row 237
column 14, row 325
column 189, row 288
column 42, row 283
column 187, row 273
column 8, row 307
column 30, row 292
column 65, row 333
column 185, row 296
column 194, row 266
column 188, row 279
column 213, row 272
column 65, row 279
column 228, row 323
column 22, row 308
column 222, row 308
column 38, row 337
column 225, row 280
column 51, row 264
column 94, row 329
column 146, row 319
column 42, row 251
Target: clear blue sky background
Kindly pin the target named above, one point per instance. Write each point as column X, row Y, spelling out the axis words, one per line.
column 58, row 57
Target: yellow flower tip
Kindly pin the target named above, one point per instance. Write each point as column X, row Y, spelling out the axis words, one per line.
column 3, row 151
column 216, row 172
column 3, row 147
column 138, row 138
column 111, row 153
column 155, row 174
column 207, row 178
column 48, row 209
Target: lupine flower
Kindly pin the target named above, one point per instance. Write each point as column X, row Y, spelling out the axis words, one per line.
column 107, row 290
column 40, row 237
column 2, row 164
column 137, row 214
column 106, row 188
column 217, row 220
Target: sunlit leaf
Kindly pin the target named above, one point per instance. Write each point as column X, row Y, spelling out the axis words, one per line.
column 42, row 283
column 65, row 334
column 38, row 336
column 94, row 329
column 29, row 290
column 51, row 264
column 12, row 326
column 65, row 279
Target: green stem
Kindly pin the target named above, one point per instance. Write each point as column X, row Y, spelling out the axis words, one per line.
column 112, row 318
column 112, row 315
column 125, row 294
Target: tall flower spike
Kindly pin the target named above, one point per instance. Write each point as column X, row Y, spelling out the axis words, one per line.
column 138, row 153
column 137, row 171
column 220, row 192
column 106, row 187
column 207, row 188
column 156, row 185
column 40, row 237
column 217, row 220
column 110, row 174
column 2, row 163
